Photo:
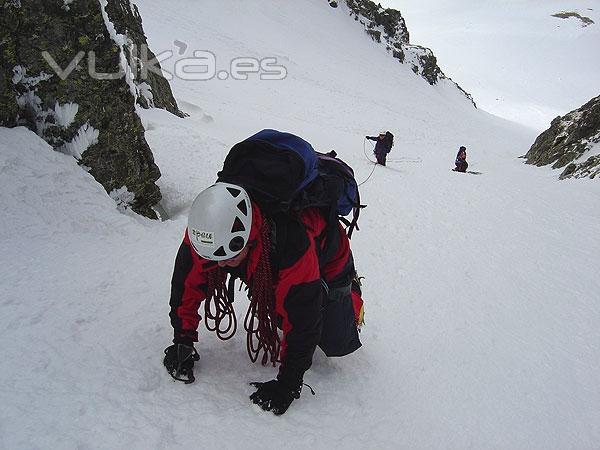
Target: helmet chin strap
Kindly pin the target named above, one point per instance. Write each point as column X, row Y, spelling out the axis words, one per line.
column 236, row 260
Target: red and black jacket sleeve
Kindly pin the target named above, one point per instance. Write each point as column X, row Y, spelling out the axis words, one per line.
column 188, row 290
column 299, row 291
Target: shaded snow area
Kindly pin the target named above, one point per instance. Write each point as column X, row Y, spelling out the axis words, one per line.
column 481, row 291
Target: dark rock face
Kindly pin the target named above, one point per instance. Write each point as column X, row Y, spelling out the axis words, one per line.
column 127, row 21
column 387, row 26
column 567, row 140
column 63, row 75
column 373, row 16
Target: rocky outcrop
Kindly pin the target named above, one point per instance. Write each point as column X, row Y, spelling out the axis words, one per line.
column 585, row 21
column 389, row 20
column 71, row 71
column 387, row 26
column 154, row 89
column 572, row 141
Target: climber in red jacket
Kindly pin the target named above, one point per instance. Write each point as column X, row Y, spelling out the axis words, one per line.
column 301, row 280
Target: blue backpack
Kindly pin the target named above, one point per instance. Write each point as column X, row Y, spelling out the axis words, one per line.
column 283, row 173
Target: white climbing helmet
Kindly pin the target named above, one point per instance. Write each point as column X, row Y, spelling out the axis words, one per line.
column 219, row 221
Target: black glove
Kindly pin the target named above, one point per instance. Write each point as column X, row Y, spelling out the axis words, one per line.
column 179, row 361
column 274, row 396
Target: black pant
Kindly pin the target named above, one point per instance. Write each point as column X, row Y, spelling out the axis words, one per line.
column 462, row 166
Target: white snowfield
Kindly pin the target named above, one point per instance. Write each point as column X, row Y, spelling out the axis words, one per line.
column 481, row 292
column 517, row 58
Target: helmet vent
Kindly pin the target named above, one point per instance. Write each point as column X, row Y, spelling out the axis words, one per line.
column 237, row 226
column 220, row 252
column 243, row 208
column 234, row 192
column 236, row 244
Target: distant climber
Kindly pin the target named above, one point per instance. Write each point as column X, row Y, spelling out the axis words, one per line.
column 384, row 144
column 461, row 160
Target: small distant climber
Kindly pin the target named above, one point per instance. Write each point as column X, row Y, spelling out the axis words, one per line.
column 461, row 160
column 384, row 144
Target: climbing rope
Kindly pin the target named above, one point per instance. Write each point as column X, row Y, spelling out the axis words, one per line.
column 365, row 151
column 367, row 156
column 260, row 322
column 219, row 315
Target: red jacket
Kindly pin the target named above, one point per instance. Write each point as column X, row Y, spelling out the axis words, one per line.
column 298, row 284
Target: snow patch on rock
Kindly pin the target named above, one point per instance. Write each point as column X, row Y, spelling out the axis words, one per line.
column 86, row 136
column 64, row 115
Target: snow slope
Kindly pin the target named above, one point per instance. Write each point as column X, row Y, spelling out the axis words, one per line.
column 481, row 291
column 516, row 59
